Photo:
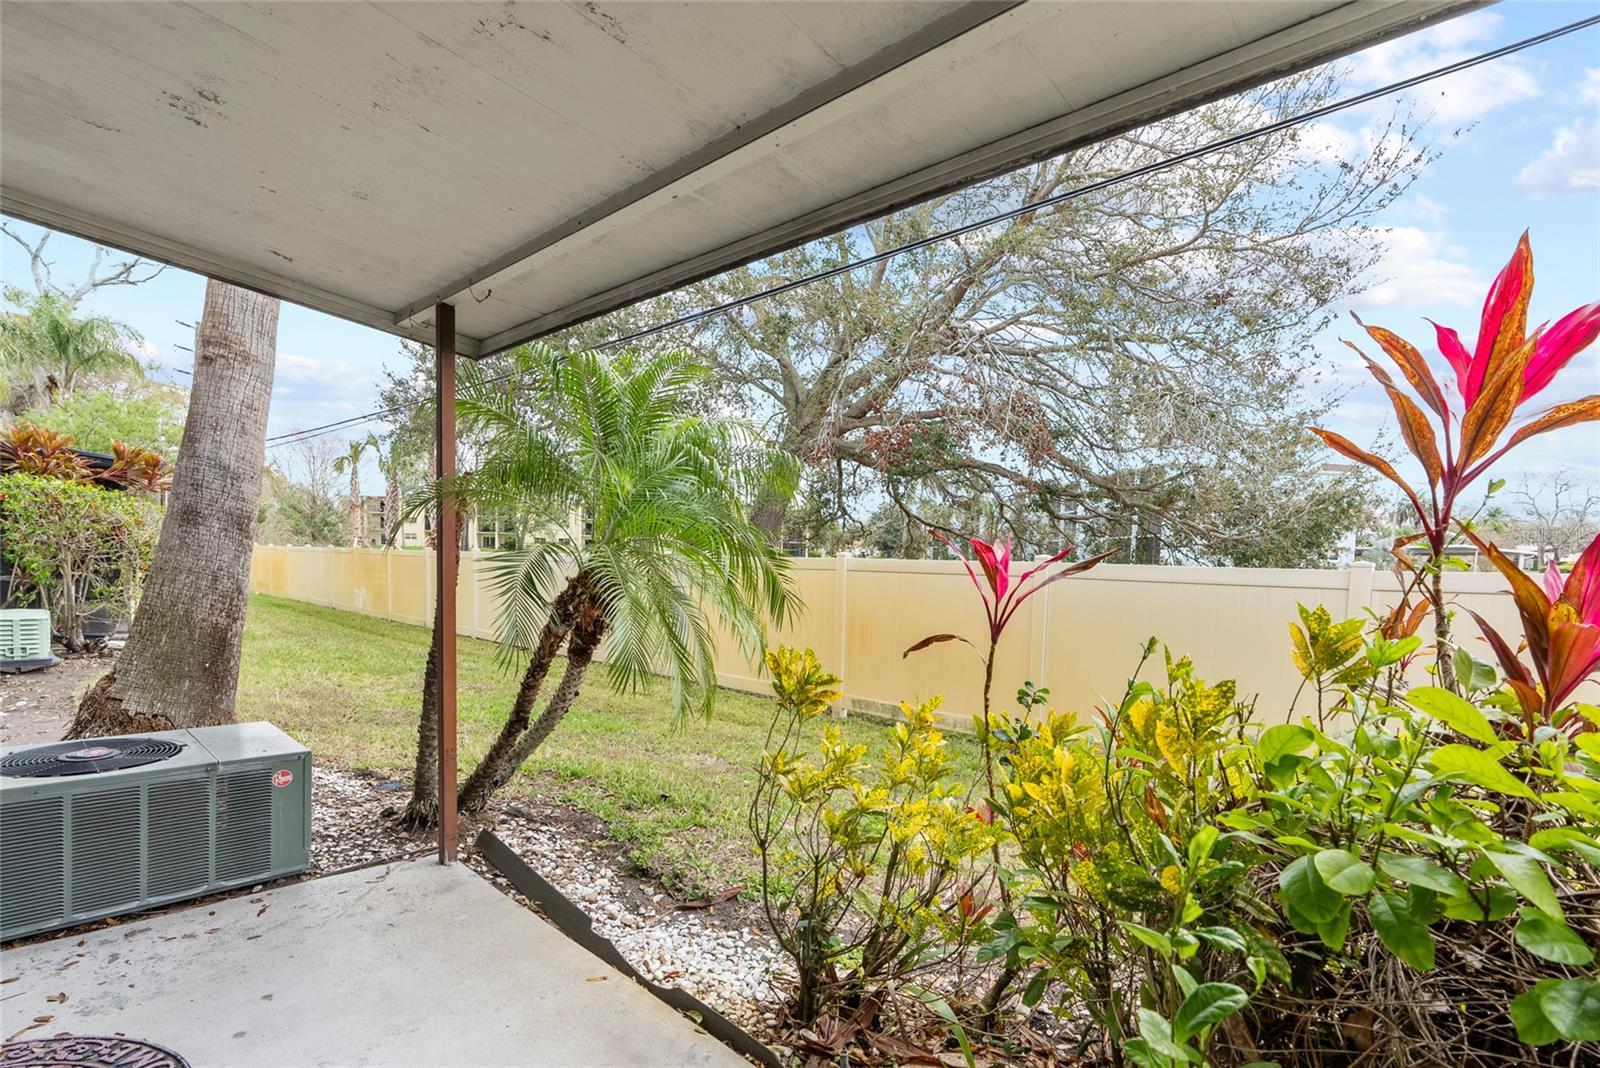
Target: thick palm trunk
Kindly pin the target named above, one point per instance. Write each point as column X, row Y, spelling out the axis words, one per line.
column 422, row 811
column 181, row 664
column 587, row 631
column 498, row 765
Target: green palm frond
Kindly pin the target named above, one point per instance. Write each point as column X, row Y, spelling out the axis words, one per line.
column 625, row 442
column 52, row 341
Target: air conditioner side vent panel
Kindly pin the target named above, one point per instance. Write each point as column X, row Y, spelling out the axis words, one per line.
column 107, row 846
column 33, row 886
column 244, row 824
column 179, row 822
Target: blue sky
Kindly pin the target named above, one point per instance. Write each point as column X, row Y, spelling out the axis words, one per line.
column 1529, row 157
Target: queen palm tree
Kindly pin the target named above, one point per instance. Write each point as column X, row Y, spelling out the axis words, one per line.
column 349, row 462
column 637, row 504
column 46, row 349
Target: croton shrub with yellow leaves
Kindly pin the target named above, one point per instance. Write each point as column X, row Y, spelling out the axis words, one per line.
column 1121, row 881
column 1201, row 890
column 869, row 865
column 1211, row 892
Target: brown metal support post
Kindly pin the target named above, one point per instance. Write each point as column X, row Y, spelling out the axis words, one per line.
column 444, row 320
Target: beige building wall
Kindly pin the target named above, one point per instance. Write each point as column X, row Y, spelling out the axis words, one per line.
column 413, row 534
column 1080, row 637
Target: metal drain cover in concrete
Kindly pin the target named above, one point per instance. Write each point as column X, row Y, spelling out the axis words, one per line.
column 76, row 1051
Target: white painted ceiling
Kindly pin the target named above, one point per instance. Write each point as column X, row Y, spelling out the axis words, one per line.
column 537, row 164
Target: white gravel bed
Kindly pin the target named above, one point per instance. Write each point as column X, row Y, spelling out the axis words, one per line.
column 719, row 964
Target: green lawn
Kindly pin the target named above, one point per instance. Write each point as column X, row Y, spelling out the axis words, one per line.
column 348, row 686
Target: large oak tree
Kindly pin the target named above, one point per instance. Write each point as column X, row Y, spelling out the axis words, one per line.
column 1132, row 364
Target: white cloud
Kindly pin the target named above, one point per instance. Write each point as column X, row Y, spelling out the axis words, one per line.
column 1459, row 98
column 1570, row 165
column 306, row 371
column 1589, row 90
column 1419, row 269
column 1459, row 32
column 1423, row 207
column 308, row 391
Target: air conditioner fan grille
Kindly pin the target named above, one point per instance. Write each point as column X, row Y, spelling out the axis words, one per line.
column 82, row 758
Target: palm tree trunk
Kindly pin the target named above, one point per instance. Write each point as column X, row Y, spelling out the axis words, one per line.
column 181, row 664
column 587, row 631
column 355, row 503
column 391, row 507
column 422, row 811
column 497, row 766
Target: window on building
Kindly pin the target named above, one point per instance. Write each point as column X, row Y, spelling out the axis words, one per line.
column 499, row 530
column 375, row 519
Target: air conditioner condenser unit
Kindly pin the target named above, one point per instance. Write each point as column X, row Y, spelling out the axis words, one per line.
column 101, row 827
column 25, row 640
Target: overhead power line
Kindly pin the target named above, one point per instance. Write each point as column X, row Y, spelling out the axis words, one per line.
column 1142, row 171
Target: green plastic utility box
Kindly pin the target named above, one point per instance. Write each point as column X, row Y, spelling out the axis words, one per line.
column 101, row 827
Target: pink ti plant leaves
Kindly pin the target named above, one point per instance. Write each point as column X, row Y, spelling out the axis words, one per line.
column 1504, row 370
column 1579, row 588
column 1561, row 624
column 1553, row 348
column 1001, row 597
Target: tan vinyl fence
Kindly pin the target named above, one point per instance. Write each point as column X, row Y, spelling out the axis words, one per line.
column 1080, row 637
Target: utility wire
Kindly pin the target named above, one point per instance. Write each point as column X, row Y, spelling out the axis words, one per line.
column 1145, row 170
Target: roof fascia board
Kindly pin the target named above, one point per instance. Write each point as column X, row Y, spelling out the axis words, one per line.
column 1373, row 22
column 930, row 37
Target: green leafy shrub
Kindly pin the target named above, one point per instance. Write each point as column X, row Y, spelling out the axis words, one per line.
column 1207, row 891
column 1129, row 903
column 867, row 872
column 1405, row 868
column 75, row 547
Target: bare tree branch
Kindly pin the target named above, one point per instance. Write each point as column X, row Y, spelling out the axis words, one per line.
column 122, row 271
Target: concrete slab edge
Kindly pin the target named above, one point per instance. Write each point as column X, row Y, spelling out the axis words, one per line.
column 576, row 925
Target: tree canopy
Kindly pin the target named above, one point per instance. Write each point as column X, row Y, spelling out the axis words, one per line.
column 127, row 408
column 1131, row 365
column 47, row 349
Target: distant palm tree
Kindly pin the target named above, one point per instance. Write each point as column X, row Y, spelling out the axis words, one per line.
column 45, row 349
column 350, row 463
column 393, row 464
column 637, row 503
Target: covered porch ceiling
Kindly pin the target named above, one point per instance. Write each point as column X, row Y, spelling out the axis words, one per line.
column 537, row 165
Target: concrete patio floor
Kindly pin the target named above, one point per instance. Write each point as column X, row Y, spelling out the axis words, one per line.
column 409, row 964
